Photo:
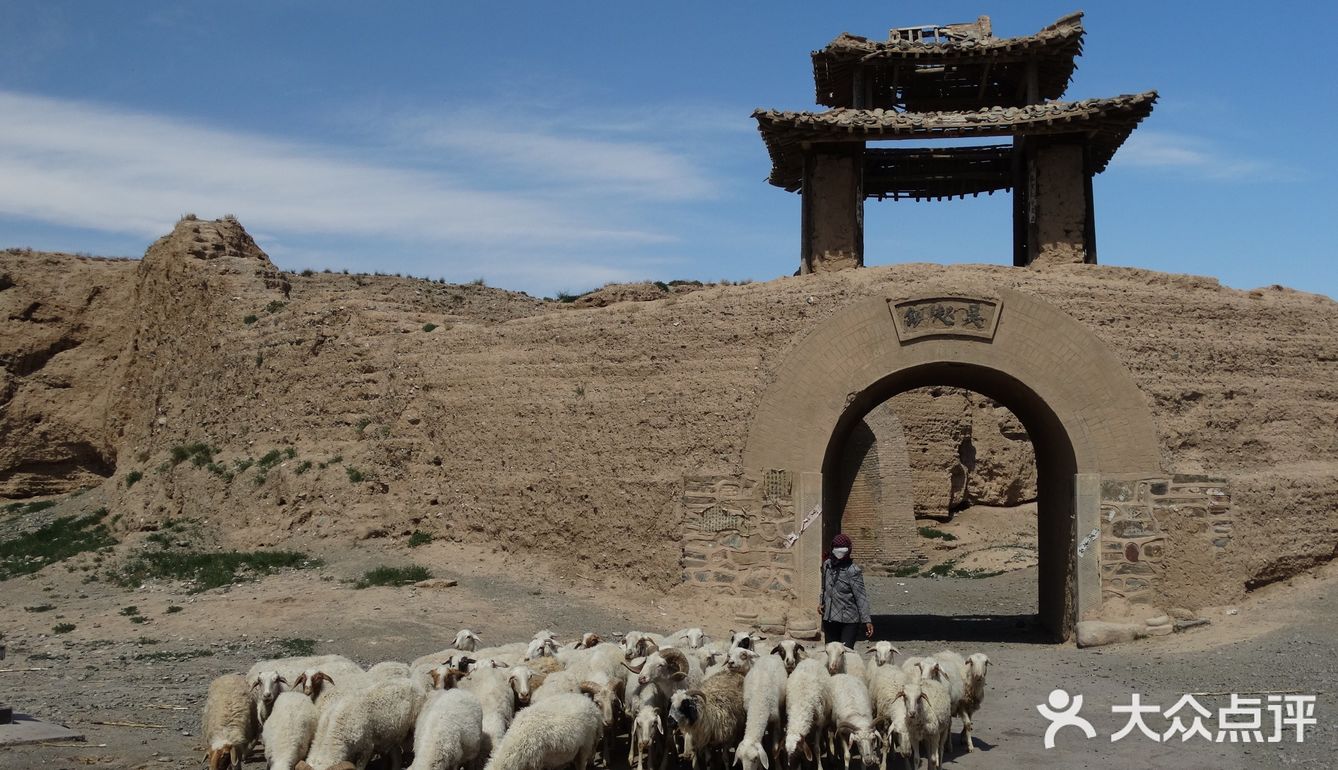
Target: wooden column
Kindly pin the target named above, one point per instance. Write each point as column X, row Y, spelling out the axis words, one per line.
column 833, row 208
column 1059, row 208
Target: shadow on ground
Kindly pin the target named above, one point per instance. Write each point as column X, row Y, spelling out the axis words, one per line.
column 1016, row 629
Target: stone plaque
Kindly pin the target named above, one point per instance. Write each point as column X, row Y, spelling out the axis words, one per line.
column 946, row 316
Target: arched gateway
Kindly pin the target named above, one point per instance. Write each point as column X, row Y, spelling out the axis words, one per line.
column 1086, row 418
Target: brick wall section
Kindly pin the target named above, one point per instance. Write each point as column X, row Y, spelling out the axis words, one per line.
column 879, row 508
column 734, row 528
column 1155, row 527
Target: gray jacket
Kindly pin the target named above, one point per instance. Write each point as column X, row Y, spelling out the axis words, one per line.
column 843, row 597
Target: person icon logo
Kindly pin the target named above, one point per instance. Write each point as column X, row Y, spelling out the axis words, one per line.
column 1063, row 712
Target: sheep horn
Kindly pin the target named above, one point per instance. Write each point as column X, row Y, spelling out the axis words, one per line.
column 636, row 670
column 589, row 688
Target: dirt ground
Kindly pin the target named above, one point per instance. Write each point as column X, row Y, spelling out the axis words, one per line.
column 154, row 674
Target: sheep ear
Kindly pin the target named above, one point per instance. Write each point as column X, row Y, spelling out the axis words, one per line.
column 659, row 725
column 255, row 684
column 281, row 680
column 436, row 679
column 808, row 753
column 924, row 697
column 895, row 651
column 762, row 757
column 778, row 650
column 300, row 680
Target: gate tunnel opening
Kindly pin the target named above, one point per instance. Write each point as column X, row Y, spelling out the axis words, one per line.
column 1055, row 504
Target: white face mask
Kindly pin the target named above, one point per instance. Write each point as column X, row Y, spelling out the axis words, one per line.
column 840, row 553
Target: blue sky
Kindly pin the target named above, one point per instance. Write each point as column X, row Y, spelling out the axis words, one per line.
column 557, row 146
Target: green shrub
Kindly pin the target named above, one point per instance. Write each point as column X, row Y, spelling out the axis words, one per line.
column 40, row 608
column 936, row 534
column 132, row 477
column 250, row 319
column 173, row 609
column 275, row 306
column 419, row 538
column 271, row 458
column 65, row 537
column 290, row 453
column 354, row 475
column 130, row 611
column 429, row 327
column 308, row 273
column 907, row 571
column 393, row 576
column 209, row 570
column 199, row 454
column 23, row 508
column 62, row 628
column 303, row 468
column 294, row 647
column 941, row 570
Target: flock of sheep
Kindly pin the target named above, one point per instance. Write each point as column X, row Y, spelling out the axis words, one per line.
column 542, row 705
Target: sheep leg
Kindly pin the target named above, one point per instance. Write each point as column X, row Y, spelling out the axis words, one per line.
column 966, row 731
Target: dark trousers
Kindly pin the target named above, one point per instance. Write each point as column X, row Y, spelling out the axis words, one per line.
column 845, row 633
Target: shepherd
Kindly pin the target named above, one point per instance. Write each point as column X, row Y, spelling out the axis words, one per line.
column 844, row 603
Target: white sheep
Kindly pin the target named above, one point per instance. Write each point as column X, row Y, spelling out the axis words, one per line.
column 808, row 708
column 843, row 660
column 711, row 717
column 449, row 732
column 852, row 715
column 274, row 675
column 389, row 669
column 358, row 724
column 520, row 678
column 882, row 653
column 670, row 669
column 540, row 647
column 744, row 639
column 467, row 640
column 265, row 688
column 551, row 734
column 639, row 644
column 975, row 669
column 644, row 742
column 931, row 720
column 588, row 639
column 763, row 700
column 887, row 690
column 288, row 731
column 229, row 721
column 692, row 638
column 790, row 652
column 497, row 700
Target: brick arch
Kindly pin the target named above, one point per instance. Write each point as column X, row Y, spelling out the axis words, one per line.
column 1081, row 407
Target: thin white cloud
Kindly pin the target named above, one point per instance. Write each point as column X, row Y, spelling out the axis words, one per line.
column 605, row 167
column 1186, row 153
column 79, row 164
